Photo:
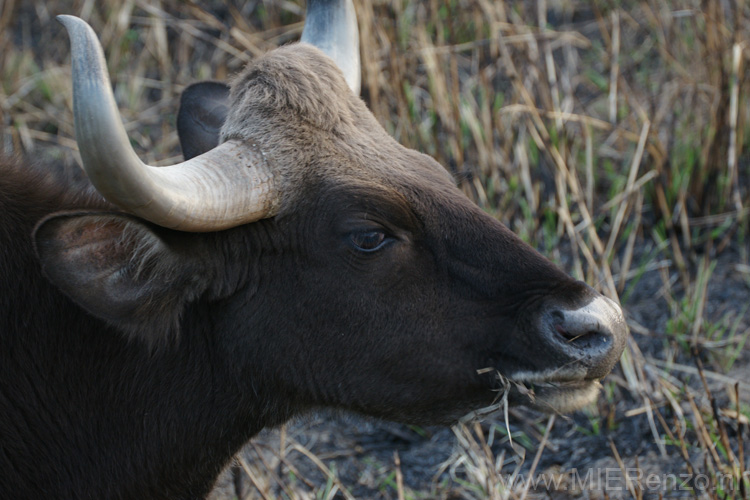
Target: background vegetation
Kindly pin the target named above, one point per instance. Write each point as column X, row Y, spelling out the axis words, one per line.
column 609, row 134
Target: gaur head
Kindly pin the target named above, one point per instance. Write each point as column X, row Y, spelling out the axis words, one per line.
column 332, row 263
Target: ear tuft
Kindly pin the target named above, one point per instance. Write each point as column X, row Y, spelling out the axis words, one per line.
column 135, row 276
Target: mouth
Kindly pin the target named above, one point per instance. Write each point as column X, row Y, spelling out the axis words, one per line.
column 548, row 392
column 554, row 396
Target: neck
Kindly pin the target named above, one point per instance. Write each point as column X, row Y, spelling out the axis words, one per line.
column 111, row 417
column 132, row 422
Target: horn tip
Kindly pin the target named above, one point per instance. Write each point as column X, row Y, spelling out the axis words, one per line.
column 73, row 24
column 66, row 20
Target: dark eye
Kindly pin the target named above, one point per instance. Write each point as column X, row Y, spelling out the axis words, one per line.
column 369, row 241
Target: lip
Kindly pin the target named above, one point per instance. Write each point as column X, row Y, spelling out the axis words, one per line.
column 554, row 396
column 550, row 396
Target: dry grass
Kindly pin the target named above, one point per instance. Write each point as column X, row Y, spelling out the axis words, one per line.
column 609, row 134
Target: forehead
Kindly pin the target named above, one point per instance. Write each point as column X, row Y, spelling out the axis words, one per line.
column 408, row 192
column 367, row 170
column 295, row 105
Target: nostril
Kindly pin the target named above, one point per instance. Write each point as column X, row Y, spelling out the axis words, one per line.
column 590, row 337
column 580, row 330
column 573, row 336
column 563, row 332
column 576, row 336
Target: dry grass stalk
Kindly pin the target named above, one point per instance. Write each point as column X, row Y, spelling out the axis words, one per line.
column 538, row 456
column 399, row 476
column 325, row 469
column 262, row 490
column 633, row 488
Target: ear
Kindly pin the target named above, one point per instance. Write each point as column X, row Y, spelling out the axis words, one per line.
column 135, row 276
column 203, row 110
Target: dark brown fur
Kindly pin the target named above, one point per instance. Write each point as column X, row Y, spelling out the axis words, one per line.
column 136, row 360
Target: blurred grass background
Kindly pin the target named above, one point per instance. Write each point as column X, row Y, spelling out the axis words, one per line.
column 609, row 134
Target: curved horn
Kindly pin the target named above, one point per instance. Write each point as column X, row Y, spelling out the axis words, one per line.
column 331, row 26
column 230, row 185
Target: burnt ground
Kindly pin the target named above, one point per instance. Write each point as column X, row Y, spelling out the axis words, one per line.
column 580, row 450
